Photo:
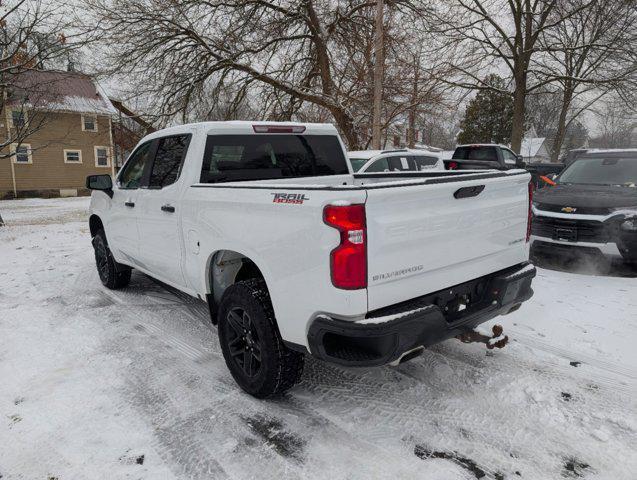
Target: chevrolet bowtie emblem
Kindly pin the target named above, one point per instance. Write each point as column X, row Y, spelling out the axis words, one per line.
column 568, row 209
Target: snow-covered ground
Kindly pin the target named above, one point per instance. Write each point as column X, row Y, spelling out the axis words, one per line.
column 131, row 384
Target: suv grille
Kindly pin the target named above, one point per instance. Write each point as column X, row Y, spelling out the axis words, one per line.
column 547, row 207
column 570, row 230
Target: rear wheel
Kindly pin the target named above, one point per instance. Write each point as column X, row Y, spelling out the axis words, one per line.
column 252, row 346
column 113, row 275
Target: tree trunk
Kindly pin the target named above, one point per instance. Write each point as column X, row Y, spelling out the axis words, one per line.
column 411, row 129
column 411, row 132
column 345, row 124
column 378, row 75
column 561, row 125
column 519, row 111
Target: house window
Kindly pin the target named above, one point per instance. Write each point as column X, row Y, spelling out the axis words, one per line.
column 21, row 153
column 101, row 157
column 72, row 156
column 18, row 118
column 89, row 123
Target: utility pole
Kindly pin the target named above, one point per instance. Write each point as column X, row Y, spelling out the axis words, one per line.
column 379, row 62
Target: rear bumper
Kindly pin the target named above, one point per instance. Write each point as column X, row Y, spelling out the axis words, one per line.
column 386, row 334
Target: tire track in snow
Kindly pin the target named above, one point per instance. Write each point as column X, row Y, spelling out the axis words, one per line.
column 381, row 395
column 556, row 370
column 292, row 405
column 543, row 345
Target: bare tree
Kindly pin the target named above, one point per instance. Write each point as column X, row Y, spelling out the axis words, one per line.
column 283, row 59
column 588, row 54
column 617, row 125
column 499, row 34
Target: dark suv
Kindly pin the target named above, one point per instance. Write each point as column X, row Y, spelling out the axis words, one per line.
column 593, row 206
column 484, row 156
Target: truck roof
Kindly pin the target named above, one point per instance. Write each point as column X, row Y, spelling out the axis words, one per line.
column 367, row 154
column 238, row 127
column 595, row 151
column 482, row 145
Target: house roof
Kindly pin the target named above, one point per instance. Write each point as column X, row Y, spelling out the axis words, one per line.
column 531, row 146
column 59, row 91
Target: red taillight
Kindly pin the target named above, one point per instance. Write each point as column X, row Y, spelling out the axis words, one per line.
column 278, row 128
column 348, row 261
column 528, row 223
column 452, row 165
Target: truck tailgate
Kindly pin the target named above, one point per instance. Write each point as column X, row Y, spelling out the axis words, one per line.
column 426, row 237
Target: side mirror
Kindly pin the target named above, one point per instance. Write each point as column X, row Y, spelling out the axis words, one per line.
column 100, row 182
column 520, row 161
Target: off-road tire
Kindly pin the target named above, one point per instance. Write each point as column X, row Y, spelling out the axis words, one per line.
column 279, row 367
column 113, row 275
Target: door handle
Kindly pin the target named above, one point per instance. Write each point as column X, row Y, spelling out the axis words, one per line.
column 129, row 204
column 466, row 192
column 168, row 208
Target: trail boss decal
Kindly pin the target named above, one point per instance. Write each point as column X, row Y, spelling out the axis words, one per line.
column 293, row 198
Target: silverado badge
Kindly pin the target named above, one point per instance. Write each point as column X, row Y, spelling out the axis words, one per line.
column 569, row 209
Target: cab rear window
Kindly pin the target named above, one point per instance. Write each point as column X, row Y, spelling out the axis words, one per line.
column 476, row 153
column 231, row 158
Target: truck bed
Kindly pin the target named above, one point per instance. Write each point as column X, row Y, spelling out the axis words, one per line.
column 365, row 181
column 425, row 230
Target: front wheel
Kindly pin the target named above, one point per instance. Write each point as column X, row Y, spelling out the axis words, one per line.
column 252, row 346
column 113, row 275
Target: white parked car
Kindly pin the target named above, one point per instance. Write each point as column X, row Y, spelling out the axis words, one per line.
column 378, row 161
column 294, row 254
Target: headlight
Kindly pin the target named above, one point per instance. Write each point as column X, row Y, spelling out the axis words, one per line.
column 629, row 225
column 625, row 210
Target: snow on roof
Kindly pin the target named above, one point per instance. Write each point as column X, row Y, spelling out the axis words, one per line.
column 481, row 145
column 611, row 150
column 364, row 153
column 423, row 146
column 59, row 91
column 367, row 154
column 531, row 146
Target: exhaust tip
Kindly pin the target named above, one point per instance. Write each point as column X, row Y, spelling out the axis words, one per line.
column 408, row 355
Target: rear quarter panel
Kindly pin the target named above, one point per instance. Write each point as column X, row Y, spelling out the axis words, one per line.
column 289, row 243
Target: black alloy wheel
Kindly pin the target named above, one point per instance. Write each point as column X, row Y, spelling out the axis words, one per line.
column 244, row 343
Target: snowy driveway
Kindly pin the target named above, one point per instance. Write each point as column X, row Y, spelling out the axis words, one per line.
column 131, row 384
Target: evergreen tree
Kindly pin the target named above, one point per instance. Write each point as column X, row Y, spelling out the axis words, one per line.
column 488, row 117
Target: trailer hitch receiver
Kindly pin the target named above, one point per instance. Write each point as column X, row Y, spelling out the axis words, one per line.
column 498, row 340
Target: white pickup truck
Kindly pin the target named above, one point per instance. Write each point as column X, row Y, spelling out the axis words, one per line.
column 295, row 254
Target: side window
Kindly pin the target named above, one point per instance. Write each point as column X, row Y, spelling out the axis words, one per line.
column 460, row 153
column 509, row 157
column 424, row 163
column 18, row 118
column 398, row 164
column 131, row 177
column 379, row 165
column 89, row 123
column 169, row 158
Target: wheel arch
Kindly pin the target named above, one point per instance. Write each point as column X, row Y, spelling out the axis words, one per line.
column 95, row 224
column 225, row 268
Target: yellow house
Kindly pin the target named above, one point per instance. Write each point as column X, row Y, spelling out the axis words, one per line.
column 57, row 127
